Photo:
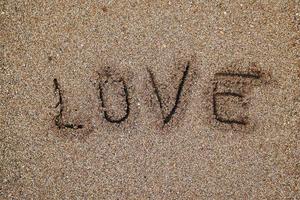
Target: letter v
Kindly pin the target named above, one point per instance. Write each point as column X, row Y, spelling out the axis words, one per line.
column 168, row 118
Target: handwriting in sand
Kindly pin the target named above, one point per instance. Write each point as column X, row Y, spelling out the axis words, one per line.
column 216, row 98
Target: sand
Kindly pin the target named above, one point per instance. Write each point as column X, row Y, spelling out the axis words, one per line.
column 150, row 99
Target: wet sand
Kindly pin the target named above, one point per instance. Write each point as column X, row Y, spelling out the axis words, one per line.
column 150, row 100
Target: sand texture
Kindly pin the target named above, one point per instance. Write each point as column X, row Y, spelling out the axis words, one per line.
column 145, row 99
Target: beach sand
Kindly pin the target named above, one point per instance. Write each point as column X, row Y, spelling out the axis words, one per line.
column 88, row 88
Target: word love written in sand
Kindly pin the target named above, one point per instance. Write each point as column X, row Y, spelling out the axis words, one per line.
column 227, row 98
